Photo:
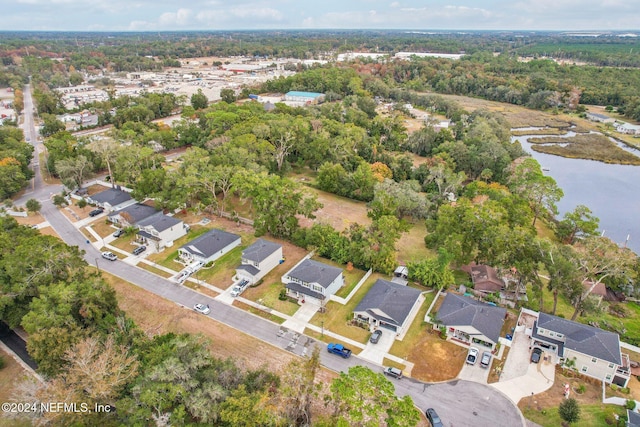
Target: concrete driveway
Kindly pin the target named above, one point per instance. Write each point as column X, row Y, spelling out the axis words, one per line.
column 521, row 378
column 377, row 352
column 475, row 373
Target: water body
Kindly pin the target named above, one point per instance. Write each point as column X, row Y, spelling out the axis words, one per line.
column 612, row 192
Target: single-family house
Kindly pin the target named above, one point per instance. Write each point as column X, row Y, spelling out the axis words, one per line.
column 601, row 118
column 111, row 199
column 313, row 281
column 132, row 214
column 259, row 259
column 471, row 322
column 487, row 281
column 389, row 305
column 591, row 351
column 160, row 231
column 628, row 128
column 208, row 247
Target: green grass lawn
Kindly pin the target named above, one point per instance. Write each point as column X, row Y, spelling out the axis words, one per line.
column 154, row 270
column 259, row 312
column 269, row 297
column 411, row 247
column 590, row 415
column 337, row 315
column 411, row 338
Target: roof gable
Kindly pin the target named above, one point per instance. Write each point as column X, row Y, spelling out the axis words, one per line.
column 136, row 212
column 584, row 339
column 260, row 250
column 310, row 271
column 457, row 310
column 112, row 196
column 160, row 222
column 209, row 243
column 389, row 300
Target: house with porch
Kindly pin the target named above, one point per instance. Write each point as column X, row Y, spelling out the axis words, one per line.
column 313, row 281
column 591, row 351
column 471, row 322
column 160, row 231
column 208, row 247
column 111, row 199
column 259, row 259
column 389, row 305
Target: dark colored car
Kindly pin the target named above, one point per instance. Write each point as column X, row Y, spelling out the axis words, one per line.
column 375, row 336
column 393, row 372
column 96, row 212
column 119, row 232
column 139, row 250
column 433, row 417
column 536, row 354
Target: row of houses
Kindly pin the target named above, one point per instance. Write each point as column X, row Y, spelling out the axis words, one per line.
column 591, row 351
column 622, row 127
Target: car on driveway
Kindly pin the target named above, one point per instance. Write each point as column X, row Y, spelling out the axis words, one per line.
column 375, row 336
column 96, row 212
column 536, row 354
column 485, row 361
column 201, row 308
column 139, row 250
column 472, row 357
column 239, row 288
column 433, row 417
column 393, row 372
column 119, row 232
column 109, row 255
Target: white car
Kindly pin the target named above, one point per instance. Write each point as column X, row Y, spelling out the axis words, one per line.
column 201, row 308
column 472, row 357
column 109, row 255
column 239, row 288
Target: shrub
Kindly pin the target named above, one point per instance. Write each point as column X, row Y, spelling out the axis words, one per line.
column 630, row 404
column 81, row 203
column 33, row 205
column 283, row 295
column 581, row 389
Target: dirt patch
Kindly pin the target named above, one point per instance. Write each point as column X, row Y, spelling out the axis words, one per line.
column 10, row 376
column 435, row 359
column 339, row 212
column 31, row 219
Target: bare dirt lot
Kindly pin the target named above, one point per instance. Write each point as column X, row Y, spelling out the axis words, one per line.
column 339, row 212
column 436, row 359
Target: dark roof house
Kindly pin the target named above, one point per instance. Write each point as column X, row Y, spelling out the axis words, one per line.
column 134, row 213
column 159, row 222
column 388, row 302
column 112, row 196
column 580, row 338
column 210, row 243
column 484, row 278
column 310, row 271
column 461, row 311
column 260, row 250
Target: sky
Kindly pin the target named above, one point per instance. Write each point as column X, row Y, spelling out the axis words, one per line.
column 172, row 15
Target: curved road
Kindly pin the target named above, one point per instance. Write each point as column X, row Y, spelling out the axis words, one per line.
column 459, row 403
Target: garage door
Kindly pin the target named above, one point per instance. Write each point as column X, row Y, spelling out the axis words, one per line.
column 388, row 326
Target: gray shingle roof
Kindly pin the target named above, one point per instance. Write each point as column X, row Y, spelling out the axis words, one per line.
column 209, row 243
column 584, row 338
column 159, row 222
column 112, row 196
column 633, row 419
column 389, row 301
column 137, row 212
column 457, row 310
column 305, row 291
column 310, row 271
column 260, row 250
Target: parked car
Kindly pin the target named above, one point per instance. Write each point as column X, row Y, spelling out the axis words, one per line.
column 536, row 354
column 393, row 372
column 109, row 255
column 433, row 417
column 201, row 308
column 375, row 336
column 119, row 232
column 472, row 357
column 485, row 361
column 96, row 212
column 139, row 250
column 239, row 288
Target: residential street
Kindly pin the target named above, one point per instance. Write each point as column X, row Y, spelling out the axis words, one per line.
column 459, row 403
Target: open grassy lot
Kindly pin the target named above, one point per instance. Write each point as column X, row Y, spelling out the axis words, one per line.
column 339, row 212
column 337, row 316
column 410, row 247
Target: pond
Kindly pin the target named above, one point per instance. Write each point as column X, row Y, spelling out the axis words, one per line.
column 612, row 192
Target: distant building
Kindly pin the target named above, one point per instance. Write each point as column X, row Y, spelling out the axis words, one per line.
column 601, row 118
column 628, row 128
column 304, row 97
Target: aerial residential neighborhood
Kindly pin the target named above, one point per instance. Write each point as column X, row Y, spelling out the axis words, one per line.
column 319, row 228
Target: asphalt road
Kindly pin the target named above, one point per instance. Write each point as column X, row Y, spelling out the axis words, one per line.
column 16, row 344
column 459, row 403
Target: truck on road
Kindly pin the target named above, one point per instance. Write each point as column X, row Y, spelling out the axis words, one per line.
column 339, row 349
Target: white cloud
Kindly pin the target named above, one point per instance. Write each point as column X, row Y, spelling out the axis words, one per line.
column 179, row 18
column 265, row 13
column 395, row 4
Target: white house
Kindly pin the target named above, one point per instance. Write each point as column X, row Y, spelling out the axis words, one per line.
column 208, row 247
column 258, row 260
column 111, row 199
column 313, row 281
column 592, row 351
column 471, row 322
column 389, row 305
column 160, row 231
column 628, row 128
column 132, row 214
column 601, row 118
